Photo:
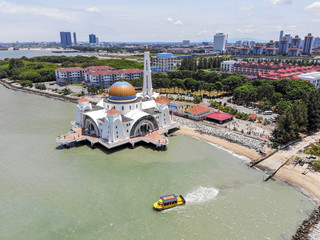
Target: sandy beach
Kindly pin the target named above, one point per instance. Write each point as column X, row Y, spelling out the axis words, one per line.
column 236, row 148
column 298, row 176
column 309, row 183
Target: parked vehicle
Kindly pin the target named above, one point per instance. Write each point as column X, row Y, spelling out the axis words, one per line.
column 267, row 113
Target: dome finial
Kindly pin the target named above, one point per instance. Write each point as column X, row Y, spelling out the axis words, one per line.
column 147, row 48
column 121, row 78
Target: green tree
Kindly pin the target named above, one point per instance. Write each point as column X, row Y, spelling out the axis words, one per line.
column 197, row 99
column 286, row 130
column 232, row 82
column 313, row 103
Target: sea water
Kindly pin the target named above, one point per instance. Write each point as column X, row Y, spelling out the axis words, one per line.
column 83, row 193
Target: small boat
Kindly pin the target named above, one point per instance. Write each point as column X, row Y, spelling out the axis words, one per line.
column 169, row 201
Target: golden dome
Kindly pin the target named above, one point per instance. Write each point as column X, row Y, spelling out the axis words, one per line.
column 122, row 91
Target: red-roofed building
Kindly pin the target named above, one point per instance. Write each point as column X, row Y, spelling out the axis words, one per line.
column 71, row 75
column 162, row 100
column 83, row 99
column 253, row 117
column 219, row 117
column 100, row 76
column 197, row 112
column 105, row 78
column 289, row 73
column 112, row 111
column 100, row 68
column 130, row 73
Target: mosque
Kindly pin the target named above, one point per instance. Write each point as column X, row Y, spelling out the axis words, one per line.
column 124, row 114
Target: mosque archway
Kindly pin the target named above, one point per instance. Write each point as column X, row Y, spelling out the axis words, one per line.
column 90, row 127
column 143, row 126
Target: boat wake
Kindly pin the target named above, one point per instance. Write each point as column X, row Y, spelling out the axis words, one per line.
column 201, row 195
column 198, row 196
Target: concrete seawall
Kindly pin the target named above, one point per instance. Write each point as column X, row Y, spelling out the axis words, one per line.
column 6, row 83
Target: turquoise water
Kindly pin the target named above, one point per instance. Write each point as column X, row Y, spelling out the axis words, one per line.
column 84, row 193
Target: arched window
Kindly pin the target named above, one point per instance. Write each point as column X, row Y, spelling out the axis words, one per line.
column 122, row 108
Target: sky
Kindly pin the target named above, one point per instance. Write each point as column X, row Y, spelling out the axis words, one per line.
column 156, row 21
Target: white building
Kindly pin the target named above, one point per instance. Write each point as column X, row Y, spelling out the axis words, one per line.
column 219, row 42
column 313, row 77
column 227, row 66
column 164, row 62
column 71, row 75
column 125, row 114
column 100, row 76
column 104, row 79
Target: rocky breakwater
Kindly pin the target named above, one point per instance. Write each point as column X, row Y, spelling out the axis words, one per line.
column 252, row 143
column 309, row 230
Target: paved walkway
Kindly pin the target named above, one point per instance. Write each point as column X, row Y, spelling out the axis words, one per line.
column 157, row 138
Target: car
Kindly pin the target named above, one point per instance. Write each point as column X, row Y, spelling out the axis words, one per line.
column 220, row 97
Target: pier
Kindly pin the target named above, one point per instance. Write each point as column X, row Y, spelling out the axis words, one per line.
column 77, row 135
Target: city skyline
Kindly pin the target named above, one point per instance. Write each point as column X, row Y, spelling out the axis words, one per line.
column 144, row 21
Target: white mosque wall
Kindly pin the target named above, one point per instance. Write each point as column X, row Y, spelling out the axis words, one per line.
column 164, row 118
column 106, row 129
column 123, row 108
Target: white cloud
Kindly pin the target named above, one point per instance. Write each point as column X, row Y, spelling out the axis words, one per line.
column 313, row 7
column 291, row 28
column 169, row 19
column 93, row 9
column 175, row 22
column 12, row 8
column 279, row 2
column 246, row 8
column 245, row 29
column 178, row 22
column 204, row 32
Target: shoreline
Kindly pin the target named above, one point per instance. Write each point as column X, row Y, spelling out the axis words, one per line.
column 298, row 180
column 309, row 228
column 308, row 184
column 55, row 96
column 227, row 145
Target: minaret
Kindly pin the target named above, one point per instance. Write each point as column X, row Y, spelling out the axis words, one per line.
column 147, row 82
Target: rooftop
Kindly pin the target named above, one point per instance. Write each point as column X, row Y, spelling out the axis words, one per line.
column 70, row 69
column 198, row 110
column 112, row 111
column 162, row 100
column 98, row 68
column 83, row 99
column 220, row 116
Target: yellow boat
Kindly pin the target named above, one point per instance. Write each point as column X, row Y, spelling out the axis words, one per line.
column 169, row 201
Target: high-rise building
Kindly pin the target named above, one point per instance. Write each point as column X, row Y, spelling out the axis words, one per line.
column 164, row 62
column 186, row 43
column 219, row 42
column 281, row 35
column 283, row 45
column 74, row 38
column 92, row 38
column 245, row 43
column 308, row 43
column 257, row 49
column 270, row 48
column 65, row 38
column 289, row 38
column 295, row 47
column 316, row 42
column 238, row 43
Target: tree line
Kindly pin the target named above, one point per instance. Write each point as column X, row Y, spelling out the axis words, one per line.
column 194, row 64
column 277, row 95
column 303, row 116
column 42, row 69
